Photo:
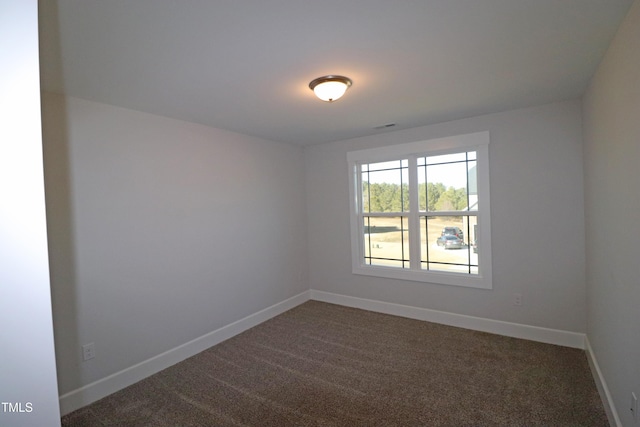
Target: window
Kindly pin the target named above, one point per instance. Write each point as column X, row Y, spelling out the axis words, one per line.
column 420, row 211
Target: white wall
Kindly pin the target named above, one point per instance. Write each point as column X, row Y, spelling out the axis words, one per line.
column 162, row 231
column 28, row 392
column 537, row 221
column 611, row 108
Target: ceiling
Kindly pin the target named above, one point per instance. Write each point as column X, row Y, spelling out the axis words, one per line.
column 245, row 66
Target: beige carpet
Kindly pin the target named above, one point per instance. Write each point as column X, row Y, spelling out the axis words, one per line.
column 326, row 365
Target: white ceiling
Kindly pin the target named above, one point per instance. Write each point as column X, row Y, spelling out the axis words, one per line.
column 245, row 65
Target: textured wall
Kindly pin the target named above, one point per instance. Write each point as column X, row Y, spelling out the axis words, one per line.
column 612, row 199
column 162, row 231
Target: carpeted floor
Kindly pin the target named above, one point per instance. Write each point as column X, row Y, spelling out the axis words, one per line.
column 327, row 365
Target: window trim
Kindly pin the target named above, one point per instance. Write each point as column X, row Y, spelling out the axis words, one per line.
column 478, row 142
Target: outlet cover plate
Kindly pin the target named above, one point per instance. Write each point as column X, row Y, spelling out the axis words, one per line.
column 88, row 352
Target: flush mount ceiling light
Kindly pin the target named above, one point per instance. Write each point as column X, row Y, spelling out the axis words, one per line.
column 330, row 88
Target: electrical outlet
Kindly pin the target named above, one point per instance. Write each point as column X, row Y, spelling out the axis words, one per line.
column 517, row 299
column 88, row 351
column 634, row 407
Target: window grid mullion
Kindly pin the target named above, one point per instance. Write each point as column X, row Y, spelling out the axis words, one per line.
column 414, row 218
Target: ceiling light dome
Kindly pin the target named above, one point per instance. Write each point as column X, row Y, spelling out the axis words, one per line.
column 330, row 88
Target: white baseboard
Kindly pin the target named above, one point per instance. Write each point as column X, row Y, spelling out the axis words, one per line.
column 515, row 330
column 90, row 393
column 603, row 390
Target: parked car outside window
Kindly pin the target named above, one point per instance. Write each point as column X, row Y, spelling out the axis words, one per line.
column 453, row 231
column 450, row 241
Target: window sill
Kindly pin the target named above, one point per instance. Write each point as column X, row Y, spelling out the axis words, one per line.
column 445, row 278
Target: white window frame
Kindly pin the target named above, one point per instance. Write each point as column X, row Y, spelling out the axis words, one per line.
column 478, row 142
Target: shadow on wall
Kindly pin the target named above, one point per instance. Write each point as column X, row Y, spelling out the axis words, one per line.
column 60, row 235
column 58, row 196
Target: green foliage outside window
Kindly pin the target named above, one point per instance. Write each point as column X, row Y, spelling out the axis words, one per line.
column 387, row 197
